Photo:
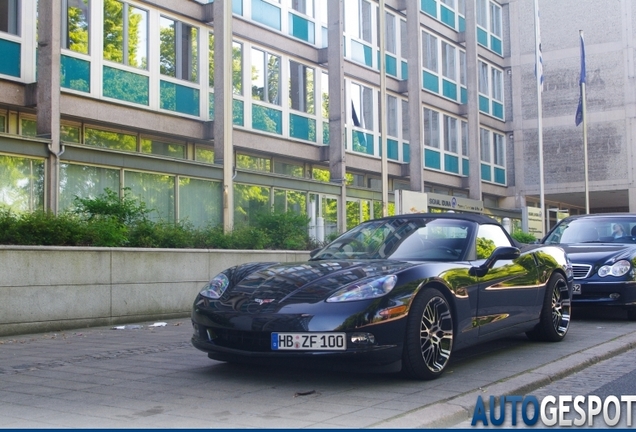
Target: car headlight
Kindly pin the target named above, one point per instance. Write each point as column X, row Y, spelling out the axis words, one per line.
column 216, row 287
column 363, row 290
column 619, row 268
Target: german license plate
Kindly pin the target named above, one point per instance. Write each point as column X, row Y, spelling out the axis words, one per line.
column 576, row 289
column 309, row 341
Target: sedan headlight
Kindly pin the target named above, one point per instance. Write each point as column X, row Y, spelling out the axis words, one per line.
column 216, row 287
column 366, row 289
column 619, row 268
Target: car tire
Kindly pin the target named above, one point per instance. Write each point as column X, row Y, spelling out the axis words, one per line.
column 555, row 313
column 429, row 336
column 631, row 314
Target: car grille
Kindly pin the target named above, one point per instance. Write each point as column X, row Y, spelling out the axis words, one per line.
column 240, row 340
column 581, row 271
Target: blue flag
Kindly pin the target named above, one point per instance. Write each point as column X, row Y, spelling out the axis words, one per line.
column 578, row 119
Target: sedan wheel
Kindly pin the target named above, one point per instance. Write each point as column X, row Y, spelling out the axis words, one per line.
column 555, row 314
column 429, row 336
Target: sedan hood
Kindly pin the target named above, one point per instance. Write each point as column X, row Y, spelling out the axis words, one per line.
column 593, row 253
column 305, row 282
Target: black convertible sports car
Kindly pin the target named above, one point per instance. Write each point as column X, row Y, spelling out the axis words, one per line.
column 602, row 248
column 397, row 293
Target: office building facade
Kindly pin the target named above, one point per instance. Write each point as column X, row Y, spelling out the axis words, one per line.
column 212, row 112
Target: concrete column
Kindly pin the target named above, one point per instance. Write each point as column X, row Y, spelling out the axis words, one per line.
column 414, row 88
column 48, row 94
column 223, row 124
column 337, row 116
column 472, row 84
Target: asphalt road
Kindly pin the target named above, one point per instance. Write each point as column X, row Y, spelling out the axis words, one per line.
column 152, row 377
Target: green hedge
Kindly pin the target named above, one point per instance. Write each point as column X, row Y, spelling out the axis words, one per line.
column 113, row 221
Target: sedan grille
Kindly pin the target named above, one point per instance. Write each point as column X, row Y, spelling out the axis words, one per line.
column 581, row 271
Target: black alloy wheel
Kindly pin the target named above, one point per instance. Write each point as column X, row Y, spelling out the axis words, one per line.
column 429, row 336
column 555, row 313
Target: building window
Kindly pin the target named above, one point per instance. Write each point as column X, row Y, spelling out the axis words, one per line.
column 483, row 78
column 499, row 149
column 392, row 115
column 265, row 77
column 152, row 146
column 431, row 128
column 303, row 6
column 429, row 56
column 75, row 26
column 497, row 85
column 484, row 144
column 125, row 34
column 462, row 67
column 450, row 134
column 405, row 120
column 9, row 13
column 237, row 68
column 358, row 19
column 495, row 19
column 464, row 138
column 362, row 106
column 178, row 52
column 110, row 139
column 22, row 188
column 390, row 33
column 448, row 61
column 482, row 13
column 254, row 163
column 301, row 87
column 289, row 169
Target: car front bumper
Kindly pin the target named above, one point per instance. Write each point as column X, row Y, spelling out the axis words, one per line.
column 602, row 293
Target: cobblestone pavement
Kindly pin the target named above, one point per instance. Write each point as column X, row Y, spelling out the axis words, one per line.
column 152, row 377
column 589, row 381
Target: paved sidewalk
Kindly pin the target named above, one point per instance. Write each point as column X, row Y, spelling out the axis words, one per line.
column 151, row 377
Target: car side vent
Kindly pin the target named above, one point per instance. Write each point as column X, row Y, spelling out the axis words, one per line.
column 581, row 271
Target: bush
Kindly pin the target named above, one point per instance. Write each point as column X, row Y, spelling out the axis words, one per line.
column 112, row 221
column 523, row 237
column 285, row 230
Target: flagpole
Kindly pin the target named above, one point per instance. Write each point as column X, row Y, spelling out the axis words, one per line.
column 539, row 73
column 584, row 107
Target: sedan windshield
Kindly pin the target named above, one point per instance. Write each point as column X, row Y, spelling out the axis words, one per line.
column 407, row 239
column 594, row 230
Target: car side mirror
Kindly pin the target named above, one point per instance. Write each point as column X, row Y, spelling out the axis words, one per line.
column 314, row 252
column 500, row 253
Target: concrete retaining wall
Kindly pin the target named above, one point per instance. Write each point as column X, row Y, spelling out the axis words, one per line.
column 54, row 288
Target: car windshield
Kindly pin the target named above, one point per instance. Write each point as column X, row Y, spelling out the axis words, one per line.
column 594, row 230
column 407, row 239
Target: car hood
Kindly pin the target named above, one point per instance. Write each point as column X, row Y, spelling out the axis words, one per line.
column 594, row 253
column 304, row 282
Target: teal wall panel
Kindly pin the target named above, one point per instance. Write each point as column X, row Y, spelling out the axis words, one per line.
column 432, row 159
column 430, row 82
column 11, row 58
column 500, row 176
column 429, row 7
column 302, row 127
column 178, row 98
column 126, row 86
column 266, row 13
column 75, row 74
column 451, row 163
column 486, row 172
column 267, row 119
column 449, row 89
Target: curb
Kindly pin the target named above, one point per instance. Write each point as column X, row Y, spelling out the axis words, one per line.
column 454, row 410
